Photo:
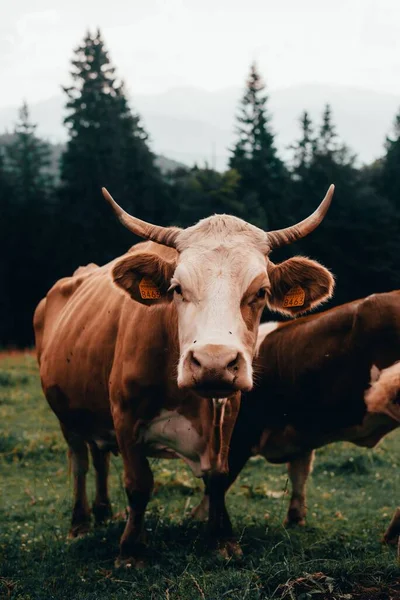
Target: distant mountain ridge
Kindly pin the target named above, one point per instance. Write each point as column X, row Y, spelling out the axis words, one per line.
column 166, row 165
column 192, row 125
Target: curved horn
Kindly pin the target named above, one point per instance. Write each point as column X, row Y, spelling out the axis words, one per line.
column 281, row 237
column 162, row 235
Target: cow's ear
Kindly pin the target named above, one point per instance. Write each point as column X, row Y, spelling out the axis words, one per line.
column 298, row 284
column 145, row 277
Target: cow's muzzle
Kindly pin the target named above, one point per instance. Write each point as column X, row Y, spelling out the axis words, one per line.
column 216, row 371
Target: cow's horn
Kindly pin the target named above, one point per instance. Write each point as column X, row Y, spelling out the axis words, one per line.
column 163, row 235
column 281, row 237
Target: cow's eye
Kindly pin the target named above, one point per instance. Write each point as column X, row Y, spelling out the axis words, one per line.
column 260, row 295
column 178, row 290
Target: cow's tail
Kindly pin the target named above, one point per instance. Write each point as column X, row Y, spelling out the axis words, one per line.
column 38, row 326
column 384, row 394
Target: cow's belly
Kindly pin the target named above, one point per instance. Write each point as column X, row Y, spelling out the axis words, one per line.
column 286, row 444
column 171, row 435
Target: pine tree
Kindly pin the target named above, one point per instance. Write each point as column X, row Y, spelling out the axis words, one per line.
column 304, row 148
column 262, row 174
column 26, row 218
column 347, row 240
column 388, row 175
column 327, row 132
column 7, row 233
column 107, row 147
column 27, row 161
column 199, row 193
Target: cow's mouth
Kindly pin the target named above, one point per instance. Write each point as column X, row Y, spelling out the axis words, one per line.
column 213, row 390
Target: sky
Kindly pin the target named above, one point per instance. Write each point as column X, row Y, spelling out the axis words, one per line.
column 209, row 44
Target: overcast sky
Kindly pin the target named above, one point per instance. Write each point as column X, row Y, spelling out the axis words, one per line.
column 160, row 44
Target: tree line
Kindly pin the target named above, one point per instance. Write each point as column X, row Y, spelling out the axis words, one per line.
column 52, row 224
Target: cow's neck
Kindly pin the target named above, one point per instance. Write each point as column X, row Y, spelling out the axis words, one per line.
column 176, row 422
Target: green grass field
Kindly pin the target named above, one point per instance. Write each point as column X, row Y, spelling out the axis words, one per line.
column 352, row 495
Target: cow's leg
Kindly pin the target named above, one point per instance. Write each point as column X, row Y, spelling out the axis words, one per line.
column 138, row 480
column 219, row 523
column 299, row 469
column 201, row 511
column 392, row 533
column 79, row 457
column 101, row 506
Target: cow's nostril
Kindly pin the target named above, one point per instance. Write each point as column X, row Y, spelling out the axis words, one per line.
column 195, row 361
column 233, row 362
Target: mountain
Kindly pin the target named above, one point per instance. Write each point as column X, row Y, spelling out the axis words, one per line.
column 166, row 165
column 192, row 125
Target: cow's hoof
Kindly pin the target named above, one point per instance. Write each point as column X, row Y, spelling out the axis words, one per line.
column 229, row 549
column 130, row 563
column 102, row 513
column 290, row 522
column 390, row 538
column 78, row 530
column 295, row 516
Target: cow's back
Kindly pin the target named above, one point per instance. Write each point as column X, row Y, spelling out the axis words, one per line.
column 315, row 370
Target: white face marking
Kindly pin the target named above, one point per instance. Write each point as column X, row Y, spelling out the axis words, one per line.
column 213, row 283
column 264, row 330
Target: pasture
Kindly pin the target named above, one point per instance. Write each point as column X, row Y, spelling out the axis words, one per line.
column 351, row 497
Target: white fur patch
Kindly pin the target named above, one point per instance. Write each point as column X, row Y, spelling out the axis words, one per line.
column 264, row 330
column 382, row 395
column 171, row 430
column 374, row 374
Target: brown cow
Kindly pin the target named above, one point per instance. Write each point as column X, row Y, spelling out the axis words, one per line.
column 324, row 378
column 147, row 355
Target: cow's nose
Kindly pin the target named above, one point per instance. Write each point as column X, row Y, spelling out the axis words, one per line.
column 215, row 370
column 214, row 360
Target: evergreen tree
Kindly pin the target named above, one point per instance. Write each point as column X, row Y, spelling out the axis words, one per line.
column 304, row 148
column 388, row 175
column 28, row 160
column 199, row 193
column 303, row 151
column 327, row 133
column 107, row 147
column 262, row 186
column 347, row 240
column 26, row 218
column 6, row 234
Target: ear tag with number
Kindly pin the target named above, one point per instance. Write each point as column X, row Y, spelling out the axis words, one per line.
column 295, row 297
column 148, row 289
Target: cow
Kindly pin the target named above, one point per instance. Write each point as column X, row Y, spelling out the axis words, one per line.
column 328, row 377
column 148, row 355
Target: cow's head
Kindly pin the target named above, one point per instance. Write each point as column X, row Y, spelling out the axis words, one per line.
column 220, row 279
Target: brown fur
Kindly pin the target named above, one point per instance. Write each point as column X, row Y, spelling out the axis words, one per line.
column 317, row 282
column 108, row 363
column 128, row 273
column 317, row 384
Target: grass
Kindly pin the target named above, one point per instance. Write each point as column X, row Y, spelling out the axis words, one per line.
column 338, row 555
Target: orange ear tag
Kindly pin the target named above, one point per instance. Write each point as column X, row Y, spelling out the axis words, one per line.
column 295, row 297
column 148, row 289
